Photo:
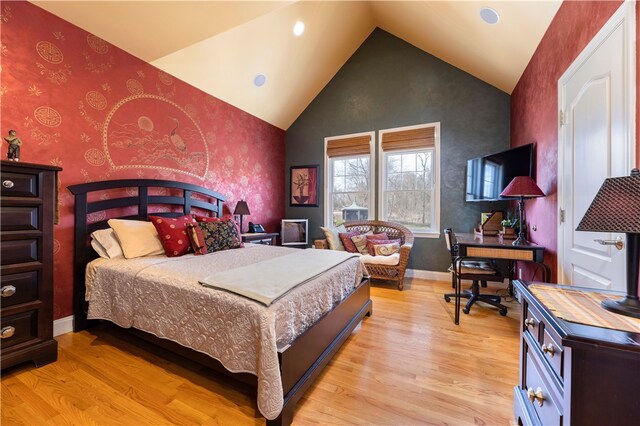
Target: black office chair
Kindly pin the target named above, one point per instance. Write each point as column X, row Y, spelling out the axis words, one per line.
column 479, row 271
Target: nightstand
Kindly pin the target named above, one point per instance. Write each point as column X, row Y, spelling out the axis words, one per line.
column 266, row 238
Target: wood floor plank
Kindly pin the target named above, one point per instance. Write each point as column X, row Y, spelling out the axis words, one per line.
column 407, row 364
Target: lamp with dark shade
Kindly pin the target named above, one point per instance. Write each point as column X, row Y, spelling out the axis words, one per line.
column 616, row 208
column 241, row 209
column 522, row 187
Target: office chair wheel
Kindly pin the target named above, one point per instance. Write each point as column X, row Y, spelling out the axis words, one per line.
column 447, row 298
column 465, row 310
column 503, row 312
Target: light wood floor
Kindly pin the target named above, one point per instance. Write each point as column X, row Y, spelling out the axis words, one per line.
column 408, row 364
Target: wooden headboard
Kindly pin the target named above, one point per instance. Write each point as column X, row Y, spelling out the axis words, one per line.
column 180, row 202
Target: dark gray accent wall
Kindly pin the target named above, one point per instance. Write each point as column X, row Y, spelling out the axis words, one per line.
column 390, row 83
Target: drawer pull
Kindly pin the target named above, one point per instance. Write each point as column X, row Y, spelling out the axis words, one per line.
column 7, row 332
column 7, row 291
column 530, row 322
column 535, row 396
column 7, row 184
column 548, row 349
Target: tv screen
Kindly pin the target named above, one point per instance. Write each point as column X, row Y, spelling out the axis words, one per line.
column 488, row 176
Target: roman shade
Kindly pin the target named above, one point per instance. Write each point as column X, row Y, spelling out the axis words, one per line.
column 424, row 137
column 346, row 147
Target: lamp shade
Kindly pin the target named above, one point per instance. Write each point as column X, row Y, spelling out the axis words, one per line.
column 522, row 186
column 616, row 207
column 242, row 208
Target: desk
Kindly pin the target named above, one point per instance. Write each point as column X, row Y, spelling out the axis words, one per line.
column 494, row 247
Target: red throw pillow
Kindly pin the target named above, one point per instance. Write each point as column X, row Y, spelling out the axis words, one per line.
column 380, row 236
column 173, row 234
column 348, row 244
column 197, row 239
column 219, row 219
column 372, row 243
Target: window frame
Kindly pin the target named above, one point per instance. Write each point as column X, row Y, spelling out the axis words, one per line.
column 382, row 167
column 328, row 174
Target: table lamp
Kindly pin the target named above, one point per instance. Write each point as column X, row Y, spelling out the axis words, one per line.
column 522, row 187
column 241, row 209
column 616, row 208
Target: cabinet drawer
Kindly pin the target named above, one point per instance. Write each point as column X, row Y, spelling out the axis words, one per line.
column 532, row 322
column 19, row 288
column 19, row 218
column 18, row 251
column 18, row 185
column 545, row 405
column 23, row 325
column 553, row 352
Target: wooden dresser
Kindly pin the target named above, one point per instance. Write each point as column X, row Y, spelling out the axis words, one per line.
column 27, row 203
column 574, row 374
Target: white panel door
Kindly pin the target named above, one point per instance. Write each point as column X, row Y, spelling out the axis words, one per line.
column 595, row 138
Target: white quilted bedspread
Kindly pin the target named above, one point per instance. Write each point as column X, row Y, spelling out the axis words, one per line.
column 162, row 296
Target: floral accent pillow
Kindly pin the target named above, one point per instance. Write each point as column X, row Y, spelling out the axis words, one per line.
column 378, row 247
column 348, row 244
column 218, row 219
column 360, row 242
column 220, row 235
column 173, row 234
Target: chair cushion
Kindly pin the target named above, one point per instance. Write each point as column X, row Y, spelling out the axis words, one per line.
column 391, row 260
column 476, row 267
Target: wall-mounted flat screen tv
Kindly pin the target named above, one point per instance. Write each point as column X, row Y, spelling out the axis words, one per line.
column 488, row 176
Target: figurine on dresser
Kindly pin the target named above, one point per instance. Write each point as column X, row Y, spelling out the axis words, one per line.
column 14, row 146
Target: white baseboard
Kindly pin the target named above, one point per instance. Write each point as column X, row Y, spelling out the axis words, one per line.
column 428, row 275
column 63, row 325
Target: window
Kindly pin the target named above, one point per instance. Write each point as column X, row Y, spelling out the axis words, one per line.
column 409, row 190
column 349, row 172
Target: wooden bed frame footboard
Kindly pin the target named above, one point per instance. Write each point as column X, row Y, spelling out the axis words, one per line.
column 300, row 362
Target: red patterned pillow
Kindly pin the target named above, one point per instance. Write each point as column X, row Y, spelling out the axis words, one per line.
column 173, row 234
column 380, row 236
column 348, row 244
column 197, row 239
column 371, row 243
column 219, row 219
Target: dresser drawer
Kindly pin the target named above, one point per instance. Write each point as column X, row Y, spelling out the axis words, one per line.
column 19, row 288
column 19, row 328
column 18, row 185
column 19, row 218
column 532, row 322
column 18, row 251
column 541, row 395
column 553, row 351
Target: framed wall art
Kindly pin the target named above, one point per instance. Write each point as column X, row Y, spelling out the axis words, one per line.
column 304, row 186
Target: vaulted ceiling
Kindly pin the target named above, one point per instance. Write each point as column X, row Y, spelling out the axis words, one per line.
column 220, row 46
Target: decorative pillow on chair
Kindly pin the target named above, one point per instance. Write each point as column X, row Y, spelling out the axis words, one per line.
column 333, row 237
column 136, row 237
column 219, row 235
column 173, row 234
column 348, row 244
column 379, row 236
column 383, row 247
column 360, row 242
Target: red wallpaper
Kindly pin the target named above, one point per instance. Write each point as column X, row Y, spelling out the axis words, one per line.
column 100, row 113
column 534, row 104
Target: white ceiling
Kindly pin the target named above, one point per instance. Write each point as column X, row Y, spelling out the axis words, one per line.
column 220, row 46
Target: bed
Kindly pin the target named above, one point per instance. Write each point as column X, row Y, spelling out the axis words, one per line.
column 296, row 355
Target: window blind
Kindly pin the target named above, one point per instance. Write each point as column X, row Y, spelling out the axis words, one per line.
column 421, row 138
column 357, row 145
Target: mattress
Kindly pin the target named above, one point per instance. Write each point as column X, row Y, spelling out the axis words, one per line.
column 162, row 296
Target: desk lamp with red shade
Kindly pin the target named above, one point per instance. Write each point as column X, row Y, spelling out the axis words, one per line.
column 522, row 187
column 616, row 208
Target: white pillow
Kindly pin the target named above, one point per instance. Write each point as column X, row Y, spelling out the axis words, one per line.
column 137, row 238
column 104, row 242
column 331, row 234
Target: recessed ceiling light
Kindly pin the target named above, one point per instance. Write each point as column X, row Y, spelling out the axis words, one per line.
column 259, row 80
column 298, row 28
column 489, row 15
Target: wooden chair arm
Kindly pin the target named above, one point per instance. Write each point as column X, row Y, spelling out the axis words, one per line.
column 321, row 244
